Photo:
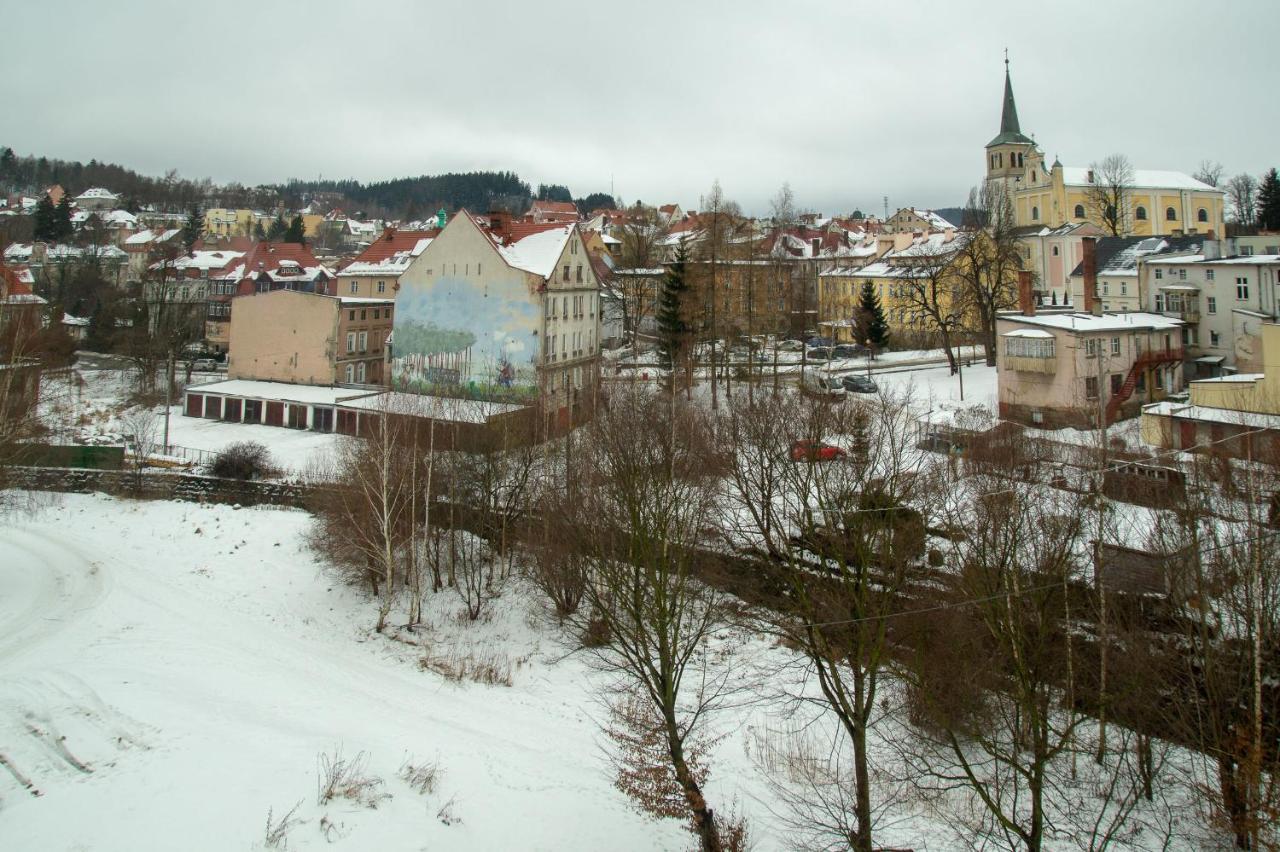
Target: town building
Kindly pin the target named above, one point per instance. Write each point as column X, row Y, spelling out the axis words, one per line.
column 911, row 220
column 506, row 311
column 96, row 198
column 266, row 267
column 376, row 271
column 548, row 212
column 1083, row 368
column 309, row 338
column 1155, row 203
column 1236, row 415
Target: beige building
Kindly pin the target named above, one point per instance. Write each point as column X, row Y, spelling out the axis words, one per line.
column 1238, row 414
column 1058, row 369
column 375, row 272
column 309, row 338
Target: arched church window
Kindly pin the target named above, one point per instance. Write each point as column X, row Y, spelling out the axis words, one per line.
column 1079, row 211
column 1171, row 214
column 1202, row 215
column 1035, row 213
column 1140, row 213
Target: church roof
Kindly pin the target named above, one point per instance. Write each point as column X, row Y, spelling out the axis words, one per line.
column 1010, row 132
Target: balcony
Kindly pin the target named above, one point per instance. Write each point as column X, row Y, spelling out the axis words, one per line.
column 1047, row 364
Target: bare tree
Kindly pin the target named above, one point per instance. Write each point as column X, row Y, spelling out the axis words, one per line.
column 934, row 293
column 1108, row 192
column 989, row 260
column 1242, row 192
column 648, row 621
column 141, row 428
column 848, row 545
column 1210, row 172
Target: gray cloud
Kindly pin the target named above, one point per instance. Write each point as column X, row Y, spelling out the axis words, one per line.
column 848, row 101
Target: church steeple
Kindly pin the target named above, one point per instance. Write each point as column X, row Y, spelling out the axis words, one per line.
column 1010, row 131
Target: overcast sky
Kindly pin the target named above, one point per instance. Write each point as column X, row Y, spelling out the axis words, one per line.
column 848, row 101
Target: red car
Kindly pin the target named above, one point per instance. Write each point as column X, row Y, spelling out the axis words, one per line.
column 815, row 451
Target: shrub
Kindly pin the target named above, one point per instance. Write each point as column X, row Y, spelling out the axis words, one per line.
column 243, row 460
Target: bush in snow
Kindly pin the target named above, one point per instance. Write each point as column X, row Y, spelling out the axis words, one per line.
column 338, row 777
column 243, row 460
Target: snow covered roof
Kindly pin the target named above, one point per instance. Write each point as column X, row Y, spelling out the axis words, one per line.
column 1038, row 333
column 148, row 236
column 1209, row 414
column 79, row 322
column 1142, row 179
column 537, row 253
column 435, row 407
column 1234, row 377
column 935, row 221
column 1085, row 323
column 283, row 391
column 97, row 192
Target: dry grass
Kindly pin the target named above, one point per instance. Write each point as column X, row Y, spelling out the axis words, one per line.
column 277, row 831
column 422, row 777
column 338, row 777
column 493, row 669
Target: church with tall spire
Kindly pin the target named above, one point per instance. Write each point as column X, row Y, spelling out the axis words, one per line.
column 1157, row 202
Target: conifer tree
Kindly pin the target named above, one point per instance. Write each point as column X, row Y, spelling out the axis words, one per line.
column 295, row 233
column 62, row 218
column 1269, row 202
column 278, row 229
column 46, row 230
column 259, row 232
column 194, row 229
column 873, row 326
column 672, row 329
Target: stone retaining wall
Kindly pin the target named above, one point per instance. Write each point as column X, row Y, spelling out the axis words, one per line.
column 158, row 486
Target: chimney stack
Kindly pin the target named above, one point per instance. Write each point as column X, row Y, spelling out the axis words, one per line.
column 1026, row 299
column 1089, row 266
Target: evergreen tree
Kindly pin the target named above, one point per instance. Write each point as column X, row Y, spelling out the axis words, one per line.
column 62, row 218
column 194, row 229
column 295, row 233
column 259, row 232
column 672, row 329
column 1269, row 202
column 8, row 166
column 278, row 229
column 872, row 325
column 46, row 229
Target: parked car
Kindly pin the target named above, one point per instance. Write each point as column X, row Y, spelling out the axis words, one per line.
column 815, row 451
column 819, row 353
column 820, row 341
column 859, row 384
column 822, row 385
column 850, row 350
column 204, row 365
column 791, row 346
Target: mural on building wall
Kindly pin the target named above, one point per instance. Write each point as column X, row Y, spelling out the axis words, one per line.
column 456, row 335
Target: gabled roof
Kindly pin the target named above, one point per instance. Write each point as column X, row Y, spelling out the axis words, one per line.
column 391, row 253
column 1142, row 179
column 555, row 207
column 1120, row 255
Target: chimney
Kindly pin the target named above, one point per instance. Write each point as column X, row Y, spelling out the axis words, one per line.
column 500, row 222
column 388, row 232
column 1026, row 299
column 1089, row 266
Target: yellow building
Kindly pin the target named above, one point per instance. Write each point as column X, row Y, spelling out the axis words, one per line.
column 1237, row 415
column 225, row 222
column 1155, row 203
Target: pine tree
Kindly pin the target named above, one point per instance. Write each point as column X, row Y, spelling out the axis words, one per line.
column 873, row 326
column 295, row 233
column 278, row 229
column 8, row 166
column 194, row 229
column 259, row 232
column 46, row 229
column 62, row 218
column 1269, row 202
column 672, row 330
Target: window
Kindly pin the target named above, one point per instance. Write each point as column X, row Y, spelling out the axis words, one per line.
column 1208, row 275
column 1202, row 215
column 1115, row 346
column 1159, row 302
column 1212, row 302
column 1242, row 289
column 1055, row 251
column 1117, row 381
column 355, row 287
column 1106, row 288
column 352, row 316
column 360, row 372
column 1091, row 347
column 351, row 373
column 477, row 269
column 564, row 305
column 1170, row 214
column 1213, row 338
column 364, row 340
column 363, row 313
column 566, row 272
column 1159, row 274
column 579, row 273
column 1124, row 288
column 1079, row 211
column 1091, row 387
column 351, row 343
column 1035, row 213
column 1247, row 251
column 1029, row 347
column 1140, row 213
column 1033, row 175
column 1182, row 274
column 382, row 286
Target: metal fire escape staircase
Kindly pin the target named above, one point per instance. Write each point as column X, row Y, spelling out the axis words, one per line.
column 1145, row 361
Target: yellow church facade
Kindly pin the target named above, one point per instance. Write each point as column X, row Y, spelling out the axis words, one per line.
column 1156, row 203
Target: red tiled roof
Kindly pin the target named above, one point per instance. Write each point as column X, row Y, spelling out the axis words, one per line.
column 556, row 207
column 270, row 255
column 392, row 242
column 667, row 208
column 11, row 284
